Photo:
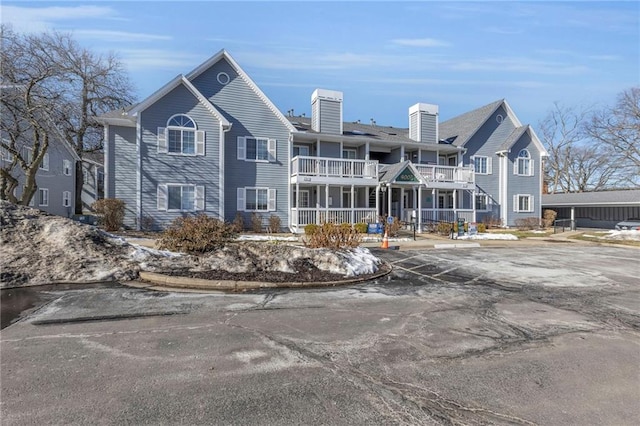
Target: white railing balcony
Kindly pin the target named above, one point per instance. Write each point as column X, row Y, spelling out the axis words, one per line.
column 324, row 167
column 302, row 216
column 446, row 174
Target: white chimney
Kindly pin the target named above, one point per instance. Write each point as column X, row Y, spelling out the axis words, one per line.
column 326, row 111
column 423, row 123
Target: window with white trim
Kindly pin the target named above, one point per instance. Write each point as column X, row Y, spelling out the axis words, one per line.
column 43, row 197
column 66, row 167
column 523, row 165
column 523, row 203
column 6, row 155
column 349, row 153
column 27, row 155
column 482, row 165
column 252, row 199
column 300, row 150
column 44, row 164
column 482, row 201
column 180, row 137
column 256, row 149
column 178, row 197
column 66, row 198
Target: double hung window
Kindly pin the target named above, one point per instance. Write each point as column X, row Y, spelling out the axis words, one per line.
column 257, row 149
column 177, row 197
column 523, row 165
column 523, row 203
column 252, row 199
column 482, row 165
column 180, row 137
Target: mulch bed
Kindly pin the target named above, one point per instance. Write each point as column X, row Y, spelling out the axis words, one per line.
column 305, row 272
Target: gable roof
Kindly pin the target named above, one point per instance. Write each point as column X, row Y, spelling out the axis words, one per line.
column 388, row 173
column 224, row 54
column 517, row 134
column 464, row 126
column 164, row 90
column 608, row 198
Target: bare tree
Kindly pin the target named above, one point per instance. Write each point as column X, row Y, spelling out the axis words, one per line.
column 618, row 129
column 57, row 88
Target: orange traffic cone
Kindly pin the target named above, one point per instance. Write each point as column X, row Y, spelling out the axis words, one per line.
column 385, row 241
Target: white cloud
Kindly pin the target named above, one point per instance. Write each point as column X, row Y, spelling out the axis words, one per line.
column 118, row 36
column 150, row 59
column 516, row 64
column 35, row 19
column 420, row 42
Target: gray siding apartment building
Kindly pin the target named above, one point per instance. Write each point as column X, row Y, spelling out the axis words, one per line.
column 55, row 177
column 211, row 141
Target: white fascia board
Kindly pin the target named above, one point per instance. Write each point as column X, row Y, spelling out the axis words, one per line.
column 502, row 102
column 115, row 121
column 224, row 54
column 511, row 114
column 331, row 95
column 537, row 143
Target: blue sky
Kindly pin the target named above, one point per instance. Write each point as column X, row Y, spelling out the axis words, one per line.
column 384, row 56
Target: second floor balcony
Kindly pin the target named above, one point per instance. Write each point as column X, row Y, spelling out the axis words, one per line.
column 447, row 177
column 324, row 170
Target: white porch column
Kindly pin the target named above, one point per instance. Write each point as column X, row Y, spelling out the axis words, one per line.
column 402, row 153
column 297, row 204
column 317, row 204
column 353, row 204
column 377, row 201
column 419, row 224
column 366, row 152
column 326, row 194
column 419, row 156
column 389, row 190
column 401, row 204
column 473, row 204
column 455, row 200
column 573, row 218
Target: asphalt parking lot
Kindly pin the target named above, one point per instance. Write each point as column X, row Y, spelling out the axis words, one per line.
column 503, row 335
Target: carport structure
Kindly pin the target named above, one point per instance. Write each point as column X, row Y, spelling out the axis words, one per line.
column 601, row 209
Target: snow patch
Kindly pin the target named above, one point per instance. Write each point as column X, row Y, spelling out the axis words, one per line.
column 488, row 236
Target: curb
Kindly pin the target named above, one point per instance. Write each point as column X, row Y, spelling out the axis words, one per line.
column 175, row 283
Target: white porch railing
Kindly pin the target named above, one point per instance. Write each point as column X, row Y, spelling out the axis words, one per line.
column 334, row 167
column 446, row 215
column 446, row 173
column 302, row 216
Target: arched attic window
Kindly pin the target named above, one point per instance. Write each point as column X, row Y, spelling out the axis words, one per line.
column 524, row 164
column 181, row 136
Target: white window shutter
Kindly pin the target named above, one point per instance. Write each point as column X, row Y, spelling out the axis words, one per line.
column 199, row 200
column 162, row 197
column 515, row 166
column 242, row 148
column 241, row 197
column 272, row 200
column 271, row 146
column 199, row 142
column 531, row 203
column 531, row 172
column 162, row 140
column 489, row 166
column 515, row 203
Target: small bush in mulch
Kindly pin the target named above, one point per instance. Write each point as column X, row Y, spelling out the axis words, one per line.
column 197, row 234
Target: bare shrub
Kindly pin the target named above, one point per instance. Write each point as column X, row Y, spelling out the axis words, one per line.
column 256, row 223
column 110, row 213
column 147, row 223
column 332, row 236
column 482, row 228
column 238, row 222
column 275, row 225
column 527, row 223
column 361, row 227
column 196, row 234
column 311, row 229
column 491, row 221
column 548, row 217
column 444, row 228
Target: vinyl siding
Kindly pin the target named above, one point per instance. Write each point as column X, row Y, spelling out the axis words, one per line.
column 326, row 115
column 413, row 126
column 429, row 128
column 524, row 184
column 250, row 117
column 123, row 154
column 54, row 180
column 163, row 168
column 486, row 142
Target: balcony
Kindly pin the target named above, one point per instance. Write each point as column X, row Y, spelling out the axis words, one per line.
column 447, row 177
column 322, row 170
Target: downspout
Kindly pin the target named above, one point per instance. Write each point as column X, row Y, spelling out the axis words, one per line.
column 221, row 170
column 502, row 185
column 107, row 172
column 139, row 171
column 290, row 187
